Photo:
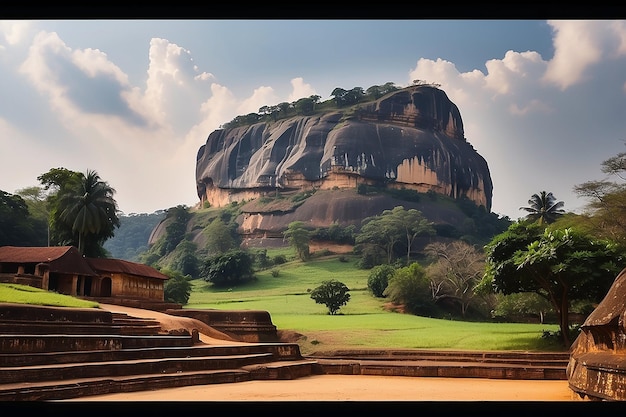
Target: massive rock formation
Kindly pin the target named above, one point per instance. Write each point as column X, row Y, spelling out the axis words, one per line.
column 412, row 138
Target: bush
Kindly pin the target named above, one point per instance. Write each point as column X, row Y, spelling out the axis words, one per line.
column 379, row 279
column 410, row 286
column 232, row 267
column 177, row 288
column 279, row 259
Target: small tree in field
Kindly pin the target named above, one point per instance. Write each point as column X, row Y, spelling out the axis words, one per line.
column 333, row 294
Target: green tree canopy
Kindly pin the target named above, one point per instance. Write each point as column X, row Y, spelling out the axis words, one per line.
column 299, row 238
column 218, row 237
column 17, row 226
column 561, row 265
column 86, row 208
column 333, row 294
column 378, row 279
column 392, row 227
column 230, row 268
column 411, row 287
column 177, row 288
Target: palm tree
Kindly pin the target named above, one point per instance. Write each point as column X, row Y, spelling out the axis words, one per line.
column 543, row 208
column 87, row 207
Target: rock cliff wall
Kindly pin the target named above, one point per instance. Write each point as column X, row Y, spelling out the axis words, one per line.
column 412, row 138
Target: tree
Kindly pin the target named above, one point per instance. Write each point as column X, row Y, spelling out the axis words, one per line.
column 333, row 294
column 230, row 268
column 561, row 265
column 457, row 271
column 412, row 224
column 177, row 227
column 185, row 260
column 218, row 236
column 607, row 200
column 299, row 238
column 543, row 208
column 378, row 279
column 522, row 304
column 391, row 227
column 53, row 182
column 17, row 226
column 177, row 288
column 86, row 207
column 410, row 286
column 339, row 94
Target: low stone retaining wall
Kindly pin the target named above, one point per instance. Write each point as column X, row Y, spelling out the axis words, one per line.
column 245, row 325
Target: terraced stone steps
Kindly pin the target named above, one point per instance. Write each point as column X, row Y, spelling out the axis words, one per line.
column 77, row 388
column 67, row 375
column 111, row 352
column 451, row 364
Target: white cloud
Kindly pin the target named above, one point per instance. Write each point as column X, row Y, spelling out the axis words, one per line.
column 300, row 90
column 14, row 31
column 175, row 88
column 503, row 76
column 520, row 106
column 580, row 45
column 261, row 96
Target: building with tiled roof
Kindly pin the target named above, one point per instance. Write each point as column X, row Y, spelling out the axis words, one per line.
column 64, row 270
column 129, row 279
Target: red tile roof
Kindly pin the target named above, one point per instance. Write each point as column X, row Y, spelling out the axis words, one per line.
column 126, row 267
column 62, row 259
column 32, row 254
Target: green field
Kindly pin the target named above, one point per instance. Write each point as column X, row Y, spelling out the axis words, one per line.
column 363, row 322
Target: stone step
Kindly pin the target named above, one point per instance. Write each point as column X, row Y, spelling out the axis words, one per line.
column 64, row 371
column 522, row 359
column 35, row 343
column 443, row 354
column 279, row 351
column 88, row 386
column 81, row 387
column 440, row 368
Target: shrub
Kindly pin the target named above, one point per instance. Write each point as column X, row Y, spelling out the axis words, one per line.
column 410, row 286
column 177, row 288
column 233, row 267
column 279, row 259
column 379, row 279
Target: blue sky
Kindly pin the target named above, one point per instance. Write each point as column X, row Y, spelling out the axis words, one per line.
column 544, row 102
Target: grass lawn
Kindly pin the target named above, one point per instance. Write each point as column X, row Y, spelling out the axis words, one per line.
column 24, row 294
column 363, row 322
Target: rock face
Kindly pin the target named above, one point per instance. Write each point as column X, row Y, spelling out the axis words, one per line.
column 412, row 138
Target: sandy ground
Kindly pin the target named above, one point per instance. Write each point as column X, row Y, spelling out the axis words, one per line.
column 334, row 388
column 358, row 388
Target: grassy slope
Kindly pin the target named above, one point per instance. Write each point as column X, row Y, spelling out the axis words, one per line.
column 24, row 294
column 363, row 322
